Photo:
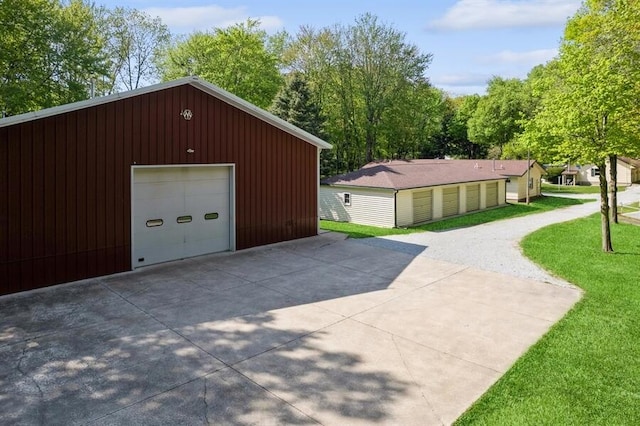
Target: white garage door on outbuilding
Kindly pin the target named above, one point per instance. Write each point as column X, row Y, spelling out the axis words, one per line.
column 181, row 211
column 422, row 206
column 400, row 193
column 473, row 197
column 450, row 201
column 492, row 194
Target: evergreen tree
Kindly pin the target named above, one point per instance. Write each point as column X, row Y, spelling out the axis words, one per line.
column 294, row 104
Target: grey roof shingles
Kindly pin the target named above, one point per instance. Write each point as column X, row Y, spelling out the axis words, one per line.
column 405, row 174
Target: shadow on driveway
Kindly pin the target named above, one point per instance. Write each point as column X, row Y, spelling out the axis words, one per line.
column 319, row 330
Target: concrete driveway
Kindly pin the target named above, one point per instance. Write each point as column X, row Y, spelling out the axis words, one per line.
column 322, row 330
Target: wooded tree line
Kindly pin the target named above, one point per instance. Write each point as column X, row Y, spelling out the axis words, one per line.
column 364, row 82
column 363, row 87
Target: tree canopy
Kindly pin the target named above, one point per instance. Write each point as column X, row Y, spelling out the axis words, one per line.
column 241, row 59
column 133, row 39
column 588, row 97
column 48, row 52
column 497, row 119
column 361, row 75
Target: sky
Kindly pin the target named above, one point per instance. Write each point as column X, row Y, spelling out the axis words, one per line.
column 470, row 40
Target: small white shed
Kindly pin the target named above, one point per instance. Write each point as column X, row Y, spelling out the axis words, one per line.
column 404, row 193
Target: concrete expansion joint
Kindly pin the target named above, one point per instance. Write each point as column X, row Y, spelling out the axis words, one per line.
column 415, row 382
column 432, row 348
column 464, row 268
column 167, row 327
column 273, row 394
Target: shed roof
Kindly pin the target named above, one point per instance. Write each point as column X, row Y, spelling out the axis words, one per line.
column 405, row 174
column 634, row 162
column 196, row 82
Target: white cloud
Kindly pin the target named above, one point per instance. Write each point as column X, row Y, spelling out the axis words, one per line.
column 529, row 58
column 202, row 18
column 460, row 80
column 484, row 14
column 455, row 91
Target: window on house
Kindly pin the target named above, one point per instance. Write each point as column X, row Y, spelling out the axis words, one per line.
column 347, row 199
column 595, row 172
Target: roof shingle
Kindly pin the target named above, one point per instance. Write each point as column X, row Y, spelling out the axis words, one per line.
column 405, row 174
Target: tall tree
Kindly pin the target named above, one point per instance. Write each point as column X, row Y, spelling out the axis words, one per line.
column 455, row 129
column 361, row 74
column 383, row 65
column 410, row 128
column 589, row 108
column 295, row 104
column 497, row 118
column 48, row 52
column 241, row 59
column 133, row 39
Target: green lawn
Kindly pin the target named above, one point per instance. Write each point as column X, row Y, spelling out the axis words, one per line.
column 578, row 189
column 586, row 370
column 511, row 210
column 630, row 208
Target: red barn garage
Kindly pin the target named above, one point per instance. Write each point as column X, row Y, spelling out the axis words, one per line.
column 165, row 172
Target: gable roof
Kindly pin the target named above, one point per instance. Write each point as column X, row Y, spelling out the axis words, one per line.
column 196, row 82
column 406, row 174
column 634, row 162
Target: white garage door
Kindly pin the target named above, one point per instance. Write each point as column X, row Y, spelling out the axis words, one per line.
column 422, row 201
column 473, row 197
column 180, row 212
column 450, row 204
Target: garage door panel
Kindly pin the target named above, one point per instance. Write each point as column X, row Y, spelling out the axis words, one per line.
column 157, row 191
column 450, row 202
column 207, row 187
column 172, row 192
column 208, row 203
column 166, row 207
column 206, row 231
column 422, row 206
column 204, row 247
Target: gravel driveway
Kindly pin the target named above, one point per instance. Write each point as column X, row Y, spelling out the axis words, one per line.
column 495, row 246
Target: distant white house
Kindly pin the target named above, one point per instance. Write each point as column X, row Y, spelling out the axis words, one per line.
column 628, row 172
column 402, row 193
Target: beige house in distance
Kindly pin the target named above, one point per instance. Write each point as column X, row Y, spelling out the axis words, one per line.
column 401, row 193
column 628, row 172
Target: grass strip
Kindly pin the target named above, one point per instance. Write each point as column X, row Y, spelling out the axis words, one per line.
column 585, row 370
column 511, row 210
column 577, row 189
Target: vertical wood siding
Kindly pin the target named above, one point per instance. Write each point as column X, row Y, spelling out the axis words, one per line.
column 65, row 181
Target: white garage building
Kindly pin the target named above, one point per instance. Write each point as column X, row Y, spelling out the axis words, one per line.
column 402, row 193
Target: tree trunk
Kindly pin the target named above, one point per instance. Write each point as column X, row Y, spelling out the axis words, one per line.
column 613, row 187
column 370, row 139
column 604, row 210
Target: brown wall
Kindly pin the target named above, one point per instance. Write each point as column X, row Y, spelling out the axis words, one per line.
column 65, row 189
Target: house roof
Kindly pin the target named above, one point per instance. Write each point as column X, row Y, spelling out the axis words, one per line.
column 630, row 161
column 405, row 174
column 196, row 82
